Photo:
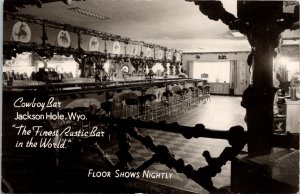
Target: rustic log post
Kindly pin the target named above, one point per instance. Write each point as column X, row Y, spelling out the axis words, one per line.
column 262, row 22
column 258, row 98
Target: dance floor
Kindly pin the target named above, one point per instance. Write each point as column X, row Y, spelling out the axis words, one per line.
column 220, row 113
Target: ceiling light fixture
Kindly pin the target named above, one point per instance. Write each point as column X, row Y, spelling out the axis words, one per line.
column 88, row 13
column 222, row 56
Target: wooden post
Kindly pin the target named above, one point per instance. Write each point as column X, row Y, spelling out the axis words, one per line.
column 82, row 65
column 260, row 96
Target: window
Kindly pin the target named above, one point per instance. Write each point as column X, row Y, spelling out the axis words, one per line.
column 217, row 71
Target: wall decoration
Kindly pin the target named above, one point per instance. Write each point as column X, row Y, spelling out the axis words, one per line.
column 63, row 39
column 134, row 50
column 177, row 67
column 178, row 57
column 116, row 48
column 165, row 66
column 148, row 52
column 171, row 69
column 21, row 32
column 169, row 56
column 94, row 44
column 160, row 54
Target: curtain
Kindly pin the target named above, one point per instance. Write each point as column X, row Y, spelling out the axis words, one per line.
column 233, row 74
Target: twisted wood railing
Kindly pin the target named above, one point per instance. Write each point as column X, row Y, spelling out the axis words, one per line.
column 127, row 128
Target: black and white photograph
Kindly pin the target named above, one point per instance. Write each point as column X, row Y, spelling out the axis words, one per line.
column 150, row 96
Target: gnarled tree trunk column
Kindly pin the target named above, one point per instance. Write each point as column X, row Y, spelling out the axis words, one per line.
column 258, row 98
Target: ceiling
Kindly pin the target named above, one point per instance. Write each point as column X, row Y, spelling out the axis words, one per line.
column 172, row 23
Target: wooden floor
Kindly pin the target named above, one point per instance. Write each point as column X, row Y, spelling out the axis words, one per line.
column 221, row 113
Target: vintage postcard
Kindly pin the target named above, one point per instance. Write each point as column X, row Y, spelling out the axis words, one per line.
column 150, row 96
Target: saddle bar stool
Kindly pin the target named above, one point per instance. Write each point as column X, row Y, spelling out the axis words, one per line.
column 130, row 105
column 150, row 107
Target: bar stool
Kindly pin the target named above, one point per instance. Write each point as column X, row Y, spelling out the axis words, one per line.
column 166, row 100
column 91, row 114
column 142, row 100
column 130, row 105
column 181, row 102
column 186, row 98
column 150, row 107
column 177, row 102
column 108, row 107
column 200, row 93
column 118, row 109
column 193, row 96
column 207, row 92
